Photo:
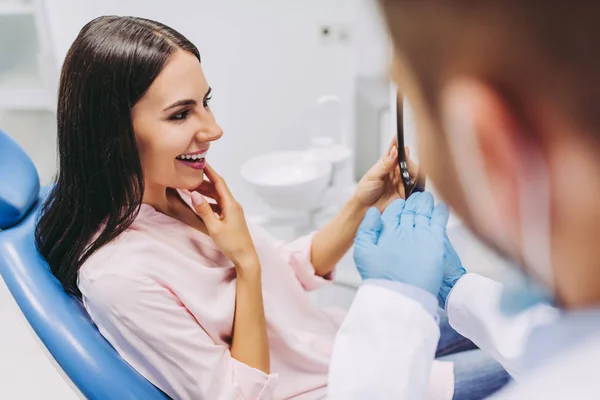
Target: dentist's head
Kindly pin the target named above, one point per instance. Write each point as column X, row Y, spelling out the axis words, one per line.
column 133, row 120
column 506, row 98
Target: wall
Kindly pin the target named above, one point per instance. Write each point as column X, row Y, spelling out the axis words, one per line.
column 372, row 119
column 264, row 59
column 371, row 41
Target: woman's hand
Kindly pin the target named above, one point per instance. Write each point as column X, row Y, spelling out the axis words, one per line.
column 228, row 229
column 379, row 187
column 225, row 220
column 382, row 184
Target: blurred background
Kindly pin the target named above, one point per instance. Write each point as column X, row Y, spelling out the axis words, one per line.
column 292, row 81
column 268, row 62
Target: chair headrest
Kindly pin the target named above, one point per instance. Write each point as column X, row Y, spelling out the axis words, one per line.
column 19, row 182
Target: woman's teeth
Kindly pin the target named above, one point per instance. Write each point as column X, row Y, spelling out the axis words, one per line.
column 195, row 157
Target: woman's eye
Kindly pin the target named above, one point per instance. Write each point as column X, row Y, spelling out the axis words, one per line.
column 180, row 116
column 207, row 101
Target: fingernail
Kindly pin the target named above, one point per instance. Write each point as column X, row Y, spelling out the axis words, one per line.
column 393, row 152
column 407, row 151
column 197, row 198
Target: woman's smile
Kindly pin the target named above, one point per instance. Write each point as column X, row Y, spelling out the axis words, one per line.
column 195, row 160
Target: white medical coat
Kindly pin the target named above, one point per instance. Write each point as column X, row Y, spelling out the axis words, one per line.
column 387, row 343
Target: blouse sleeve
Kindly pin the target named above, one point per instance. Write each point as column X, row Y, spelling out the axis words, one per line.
column 297, row 255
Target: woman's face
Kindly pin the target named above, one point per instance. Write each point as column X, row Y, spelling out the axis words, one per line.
column 173, row 126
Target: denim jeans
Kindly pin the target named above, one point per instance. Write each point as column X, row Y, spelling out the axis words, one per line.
column 476, row 374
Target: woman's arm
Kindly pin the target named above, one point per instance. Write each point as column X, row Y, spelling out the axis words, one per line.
column 250, row 344
column 333, row 240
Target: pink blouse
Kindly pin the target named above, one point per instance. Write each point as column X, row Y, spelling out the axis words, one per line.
column 163, row 295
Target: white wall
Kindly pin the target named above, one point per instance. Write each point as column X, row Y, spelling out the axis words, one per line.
column 371, row 40
column 264, row 59
column 373, row 130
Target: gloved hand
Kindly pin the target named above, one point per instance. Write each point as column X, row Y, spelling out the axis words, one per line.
column 405, row 243
column 453, row 270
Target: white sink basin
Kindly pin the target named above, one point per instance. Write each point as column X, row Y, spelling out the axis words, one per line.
column 290, row 180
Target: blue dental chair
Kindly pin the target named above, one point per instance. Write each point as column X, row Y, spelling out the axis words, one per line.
column 58, row 319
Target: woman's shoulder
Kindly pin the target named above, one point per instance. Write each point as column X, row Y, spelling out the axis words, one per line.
column 123, row 255
column 116, row 269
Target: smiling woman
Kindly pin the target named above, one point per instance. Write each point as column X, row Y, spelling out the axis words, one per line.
column 200, row 303
column 100, row 182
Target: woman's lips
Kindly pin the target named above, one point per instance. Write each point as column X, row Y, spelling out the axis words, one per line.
column 195, row 160
column 200, row 164
column 203, row 151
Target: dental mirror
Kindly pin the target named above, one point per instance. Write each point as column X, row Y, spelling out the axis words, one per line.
column 411, row 184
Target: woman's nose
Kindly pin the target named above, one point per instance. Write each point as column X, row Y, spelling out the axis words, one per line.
column 210, row 133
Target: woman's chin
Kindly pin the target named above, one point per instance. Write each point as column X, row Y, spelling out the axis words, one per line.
column 192, row 184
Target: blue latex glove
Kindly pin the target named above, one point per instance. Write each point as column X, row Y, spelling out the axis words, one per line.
column 405, row 243
column 453, row 270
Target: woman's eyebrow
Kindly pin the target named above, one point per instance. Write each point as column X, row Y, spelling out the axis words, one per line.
column 185, row 102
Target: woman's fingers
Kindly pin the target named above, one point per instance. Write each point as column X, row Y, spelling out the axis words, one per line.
column 223, row 193
column 382, row 168
column 397, row 183
column 216, row 208
column 393, row 143
column 207, row 188
column 204, row 210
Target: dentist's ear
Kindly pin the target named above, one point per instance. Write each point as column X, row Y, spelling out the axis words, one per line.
column 481, row 133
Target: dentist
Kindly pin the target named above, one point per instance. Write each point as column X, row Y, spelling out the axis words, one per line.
column 505, row 96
